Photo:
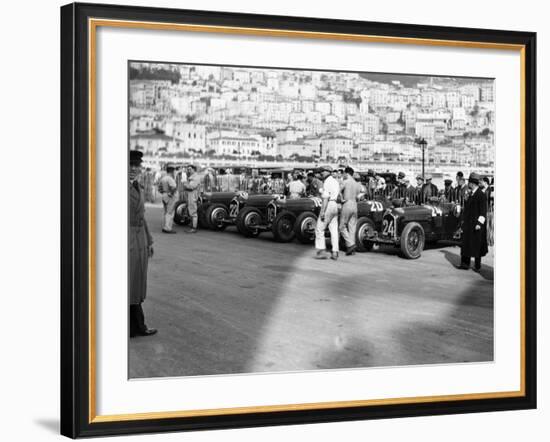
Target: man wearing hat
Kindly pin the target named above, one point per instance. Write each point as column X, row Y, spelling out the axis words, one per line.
column 313, row 184
column 448, row 191
column 141, row 249
column 461, row 188
column 328, row 215
column 428, row 189
column 400, row 189
column 418, row 188
column 474, row 226
column 169, row 192
column 419, row 182
column 192, row 190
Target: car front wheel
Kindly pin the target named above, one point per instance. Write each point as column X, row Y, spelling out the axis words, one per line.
column 215, row 216
column 181, row 216
column 247, row 222
column 365, row 230
column 413, row 240
column 283, row 227
column 304, row 227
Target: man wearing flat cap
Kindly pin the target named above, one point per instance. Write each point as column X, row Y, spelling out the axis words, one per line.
column 418, row 189
column 400, row 189
column 328, row 215
column 429, row 189
column 141, row 249
column 474, row 226
column 448, row 191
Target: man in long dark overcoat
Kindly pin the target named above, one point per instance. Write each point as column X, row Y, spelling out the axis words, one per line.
column 474, row 226
column 141, row 249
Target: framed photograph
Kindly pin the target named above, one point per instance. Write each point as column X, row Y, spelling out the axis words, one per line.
column 273, row 220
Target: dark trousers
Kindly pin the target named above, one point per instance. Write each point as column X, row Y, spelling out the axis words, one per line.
column 466, row 261
column 137, row 320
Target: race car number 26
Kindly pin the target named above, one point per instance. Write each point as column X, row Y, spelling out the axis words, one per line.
column 388, row 227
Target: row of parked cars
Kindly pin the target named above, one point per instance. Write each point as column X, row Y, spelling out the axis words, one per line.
column 409, row 228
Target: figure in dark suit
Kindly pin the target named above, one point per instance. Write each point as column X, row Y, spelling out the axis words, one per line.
column 461, row 189
column 429, row 189
column 141, row 249
column 418, row 190
column 474, row 226
column 448, row 191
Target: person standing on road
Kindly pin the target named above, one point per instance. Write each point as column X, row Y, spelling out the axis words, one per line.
column 192, row 189
column 328, row 216
column 410, row 192
column 348, row 217
column 141, row 249
column 315, row 184
column 448, row 191
column 296, row 188
column 419, row 185
column 474, row 226
column 461, row 189
column 169, row 193
column 148, row 183
column 400, row 188
column 429, row 190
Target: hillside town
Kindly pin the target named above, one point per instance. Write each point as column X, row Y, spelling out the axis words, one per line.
column 219, row 115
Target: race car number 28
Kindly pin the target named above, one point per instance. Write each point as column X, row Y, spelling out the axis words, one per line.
column 388, row 227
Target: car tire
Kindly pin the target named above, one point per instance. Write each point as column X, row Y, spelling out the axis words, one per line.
column 413, row 240
column 364, row 225
column 181, row 216
column 304, row 227
column 283, row 227
column 247, row 217
column 215, row 215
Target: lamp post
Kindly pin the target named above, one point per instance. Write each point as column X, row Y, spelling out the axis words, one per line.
column 422, row 143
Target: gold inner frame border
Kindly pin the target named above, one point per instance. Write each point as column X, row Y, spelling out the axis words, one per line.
column 93, row 24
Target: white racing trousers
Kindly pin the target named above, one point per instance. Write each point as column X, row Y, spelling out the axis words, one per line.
column 331, row 221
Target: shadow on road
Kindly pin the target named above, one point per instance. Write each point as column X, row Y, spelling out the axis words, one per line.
column 459, row 330
column 486, row 271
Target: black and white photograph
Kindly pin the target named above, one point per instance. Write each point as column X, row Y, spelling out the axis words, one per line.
column 286, row 220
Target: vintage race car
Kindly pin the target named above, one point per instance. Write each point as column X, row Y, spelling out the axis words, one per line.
column 368, row 212
column 277, row 214
column 252, row 212
column 211, row 206
column 220, row 215
column 285, row 215
column 411, row 227
column 290, row 218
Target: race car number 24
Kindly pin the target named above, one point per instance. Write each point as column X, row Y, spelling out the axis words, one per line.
column 388, row 227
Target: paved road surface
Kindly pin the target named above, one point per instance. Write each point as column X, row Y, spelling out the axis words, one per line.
column 227, row 304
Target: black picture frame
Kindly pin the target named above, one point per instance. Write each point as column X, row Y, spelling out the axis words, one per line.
column 75, row 220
